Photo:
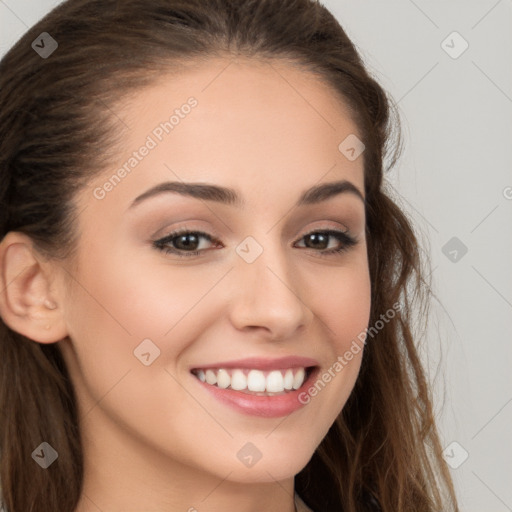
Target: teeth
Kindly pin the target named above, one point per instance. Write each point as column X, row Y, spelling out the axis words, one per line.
column 211, row 377
column 275, row 382
column 223, row 379
column 288, row 379
column 238, row 380
column 298, row 379
column 257, row 381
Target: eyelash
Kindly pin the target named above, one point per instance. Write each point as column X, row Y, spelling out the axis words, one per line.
column 346, row 240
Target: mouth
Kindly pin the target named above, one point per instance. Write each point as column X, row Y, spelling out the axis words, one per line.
column 253, row 381
column 268, row 388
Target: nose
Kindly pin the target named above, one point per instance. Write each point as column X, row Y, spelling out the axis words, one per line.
column 268, row 297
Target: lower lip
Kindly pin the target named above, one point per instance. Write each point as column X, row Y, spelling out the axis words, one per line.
column 264, row 406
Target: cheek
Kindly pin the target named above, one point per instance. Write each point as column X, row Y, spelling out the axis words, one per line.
column 344, row 312
column 112, row 313
column 115, row 309
column 342, row 300
column 127, row 299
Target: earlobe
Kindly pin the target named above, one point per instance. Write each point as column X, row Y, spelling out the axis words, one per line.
column 27, row 304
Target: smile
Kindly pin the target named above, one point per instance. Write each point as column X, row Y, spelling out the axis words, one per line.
column 257, row 386
column 254, row 381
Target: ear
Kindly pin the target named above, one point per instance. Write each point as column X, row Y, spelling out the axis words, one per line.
column 27, row 304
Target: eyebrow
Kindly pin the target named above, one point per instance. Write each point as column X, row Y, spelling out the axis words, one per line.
column 229, row 196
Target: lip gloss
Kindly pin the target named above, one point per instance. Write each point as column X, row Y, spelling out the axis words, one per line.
column 263, row 406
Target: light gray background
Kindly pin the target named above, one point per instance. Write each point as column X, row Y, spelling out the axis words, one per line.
column 455, row 180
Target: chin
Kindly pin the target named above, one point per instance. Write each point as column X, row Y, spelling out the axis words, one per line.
column 274, row 464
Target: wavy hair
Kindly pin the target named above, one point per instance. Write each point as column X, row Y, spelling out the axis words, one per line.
column 57, row 131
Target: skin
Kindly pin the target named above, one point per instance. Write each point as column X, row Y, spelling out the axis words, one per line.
column 154, row 439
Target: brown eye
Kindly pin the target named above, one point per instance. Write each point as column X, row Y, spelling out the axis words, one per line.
column 184, row 243
column 320, row 240
column 317, row 241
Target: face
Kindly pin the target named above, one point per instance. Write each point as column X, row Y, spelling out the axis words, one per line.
column 182, row 297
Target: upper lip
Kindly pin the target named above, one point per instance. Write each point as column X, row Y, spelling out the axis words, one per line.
column 263, row 363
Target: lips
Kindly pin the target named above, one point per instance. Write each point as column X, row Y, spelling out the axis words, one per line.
column 258, row 386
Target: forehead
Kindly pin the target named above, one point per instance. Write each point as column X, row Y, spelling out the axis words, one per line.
column 254, row 126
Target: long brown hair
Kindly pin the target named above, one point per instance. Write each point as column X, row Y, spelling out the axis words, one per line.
column 57, row 130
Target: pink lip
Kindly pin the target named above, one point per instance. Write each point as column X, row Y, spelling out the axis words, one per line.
column 261, row 363
column 263, row 406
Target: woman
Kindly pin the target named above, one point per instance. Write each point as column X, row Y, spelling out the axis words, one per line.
column 206, row 293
